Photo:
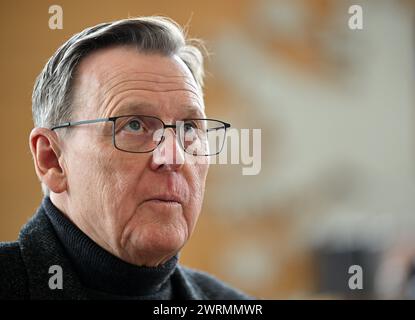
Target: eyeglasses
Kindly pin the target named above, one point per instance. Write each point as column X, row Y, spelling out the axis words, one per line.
column 143, row 134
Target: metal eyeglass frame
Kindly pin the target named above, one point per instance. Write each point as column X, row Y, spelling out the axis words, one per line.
column 165, row 126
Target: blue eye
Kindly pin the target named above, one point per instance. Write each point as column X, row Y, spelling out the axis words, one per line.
column 189, row 126
column 133, row 125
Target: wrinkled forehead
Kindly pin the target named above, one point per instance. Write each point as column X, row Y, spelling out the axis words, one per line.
column 111, row 76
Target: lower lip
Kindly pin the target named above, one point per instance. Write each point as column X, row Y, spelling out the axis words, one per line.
column 163, row 203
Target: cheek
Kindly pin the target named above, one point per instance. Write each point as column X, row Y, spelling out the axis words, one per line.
column 119, row 176
column 104, row 177
column 197, row 189
column 82, row 171
column 200, row 173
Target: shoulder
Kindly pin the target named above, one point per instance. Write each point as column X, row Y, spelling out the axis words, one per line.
column 211, row 287
column 13, row 278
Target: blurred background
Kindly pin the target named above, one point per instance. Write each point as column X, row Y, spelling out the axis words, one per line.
column 336, row 110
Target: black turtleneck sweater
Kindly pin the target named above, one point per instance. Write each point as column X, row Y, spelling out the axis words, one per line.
column 104, row 274
column 90, row 272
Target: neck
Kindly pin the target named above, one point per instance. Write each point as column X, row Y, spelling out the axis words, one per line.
column 100, row 270
column 76, row 217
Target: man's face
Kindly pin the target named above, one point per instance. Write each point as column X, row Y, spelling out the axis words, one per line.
column 116, row 197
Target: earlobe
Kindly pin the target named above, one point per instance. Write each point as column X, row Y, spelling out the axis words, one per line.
column 45, row 151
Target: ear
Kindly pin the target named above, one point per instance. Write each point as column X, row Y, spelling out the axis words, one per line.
column 46, row 153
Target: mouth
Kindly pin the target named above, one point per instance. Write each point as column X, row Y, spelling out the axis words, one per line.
column 169, row 200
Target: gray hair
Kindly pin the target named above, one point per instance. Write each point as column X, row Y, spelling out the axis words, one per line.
column 53, row 90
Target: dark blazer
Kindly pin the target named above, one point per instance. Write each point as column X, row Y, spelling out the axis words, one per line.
column 24, row 269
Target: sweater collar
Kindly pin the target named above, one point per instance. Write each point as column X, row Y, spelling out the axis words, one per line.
column 100, row 270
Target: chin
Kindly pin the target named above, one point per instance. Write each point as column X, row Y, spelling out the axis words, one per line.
column 152, row 247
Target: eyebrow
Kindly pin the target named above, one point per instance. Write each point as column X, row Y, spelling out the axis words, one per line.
column 193, row 111
column 142, row 108
column 134, row 108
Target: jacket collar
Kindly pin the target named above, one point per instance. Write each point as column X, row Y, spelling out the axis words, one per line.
column 41, row 250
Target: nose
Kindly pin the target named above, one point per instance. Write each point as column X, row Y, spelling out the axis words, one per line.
column 168, row 155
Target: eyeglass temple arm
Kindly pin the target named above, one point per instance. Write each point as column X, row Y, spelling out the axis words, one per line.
column 69, row 124
column 227, row 125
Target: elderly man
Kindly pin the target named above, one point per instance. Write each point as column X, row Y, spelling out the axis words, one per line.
column 119, row 122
